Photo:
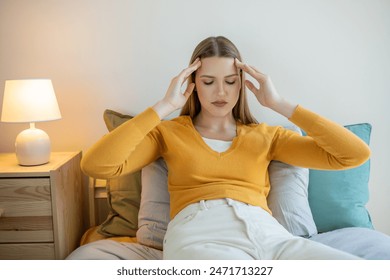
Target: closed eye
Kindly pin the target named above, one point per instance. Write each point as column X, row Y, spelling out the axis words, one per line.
column 211, row 82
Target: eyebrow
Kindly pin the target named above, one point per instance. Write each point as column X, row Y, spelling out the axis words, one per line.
column 209, row 76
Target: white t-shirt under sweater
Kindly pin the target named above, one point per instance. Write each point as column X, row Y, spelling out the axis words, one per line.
column 217, row 145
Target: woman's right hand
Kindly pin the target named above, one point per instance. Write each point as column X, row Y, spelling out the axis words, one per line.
column 174, row 99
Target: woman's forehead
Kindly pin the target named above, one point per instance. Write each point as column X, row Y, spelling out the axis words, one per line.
column 217, row 66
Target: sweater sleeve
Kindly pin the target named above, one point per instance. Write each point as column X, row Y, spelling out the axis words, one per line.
column 126, row 149
column 328, row 146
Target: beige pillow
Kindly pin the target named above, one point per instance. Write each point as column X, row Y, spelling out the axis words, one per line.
column 123, row 193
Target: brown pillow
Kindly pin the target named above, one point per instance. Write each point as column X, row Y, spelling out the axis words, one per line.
column 123, row 193
column 114, row 119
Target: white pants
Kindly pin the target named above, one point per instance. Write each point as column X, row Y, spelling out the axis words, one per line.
column 227, row 229
column 112, row 250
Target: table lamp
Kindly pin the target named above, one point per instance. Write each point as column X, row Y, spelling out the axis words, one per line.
column 30, row 101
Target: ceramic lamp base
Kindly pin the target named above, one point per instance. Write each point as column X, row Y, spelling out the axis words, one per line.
column 32, row 147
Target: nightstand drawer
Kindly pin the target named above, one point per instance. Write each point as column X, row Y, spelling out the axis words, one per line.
column 34, row 251
column 25, row 207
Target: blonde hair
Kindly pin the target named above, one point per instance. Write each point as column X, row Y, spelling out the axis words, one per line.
column 219, row 47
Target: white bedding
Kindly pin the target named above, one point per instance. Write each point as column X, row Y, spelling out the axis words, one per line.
column 362, row 242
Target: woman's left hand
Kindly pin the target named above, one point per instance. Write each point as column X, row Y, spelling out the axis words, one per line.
column 266, row 94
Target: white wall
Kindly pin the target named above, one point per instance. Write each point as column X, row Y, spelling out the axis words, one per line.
column 331, row 56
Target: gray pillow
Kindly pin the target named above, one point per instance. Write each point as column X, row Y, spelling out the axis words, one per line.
column 288, row 197
column 153, row 215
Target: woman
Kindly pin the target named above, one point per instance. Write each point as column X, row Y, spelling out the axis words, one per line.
column 217, row 156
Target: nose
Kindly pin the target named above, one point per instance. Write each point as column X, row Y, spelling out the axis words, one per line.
column 221, row 89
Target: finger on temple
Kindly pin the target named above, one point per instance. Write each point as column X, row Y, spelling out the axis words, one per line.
column 192, row 68
column 238, row 63
column 251, row 70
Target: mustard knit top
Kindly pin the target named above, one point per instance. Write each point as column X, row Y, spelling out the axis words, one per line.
column 196, row 172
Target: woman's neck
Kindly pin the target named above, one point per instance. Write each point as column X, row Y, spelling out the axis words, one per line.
column 220, row 128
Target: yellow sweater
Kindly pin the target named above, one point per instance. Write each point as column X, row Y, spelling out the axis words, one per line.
column 196, row 172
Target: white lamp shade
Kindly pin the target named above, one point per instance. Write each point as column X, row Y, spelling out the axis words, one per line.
column 31, row 100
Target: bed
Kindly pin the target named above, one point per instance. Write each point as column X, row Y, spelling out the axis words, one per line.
column 324, row 206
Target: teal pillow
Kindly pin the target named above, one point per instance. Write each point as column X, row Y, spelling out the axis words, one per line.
column 337, row 198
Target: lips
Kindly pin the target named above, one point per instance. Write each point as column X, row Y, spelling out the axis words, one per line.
column 219, row 103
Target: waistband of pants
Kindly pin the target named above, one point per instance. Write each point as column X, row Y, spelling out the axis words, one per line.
column 208, row 204
column 204, row 205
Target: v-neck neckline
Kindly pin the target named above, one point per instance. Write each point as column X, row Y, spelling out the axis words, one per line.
column 200, row 139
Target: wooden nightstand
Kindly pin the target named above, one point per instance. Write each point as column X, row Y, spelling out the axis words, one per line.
column 40, row 207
